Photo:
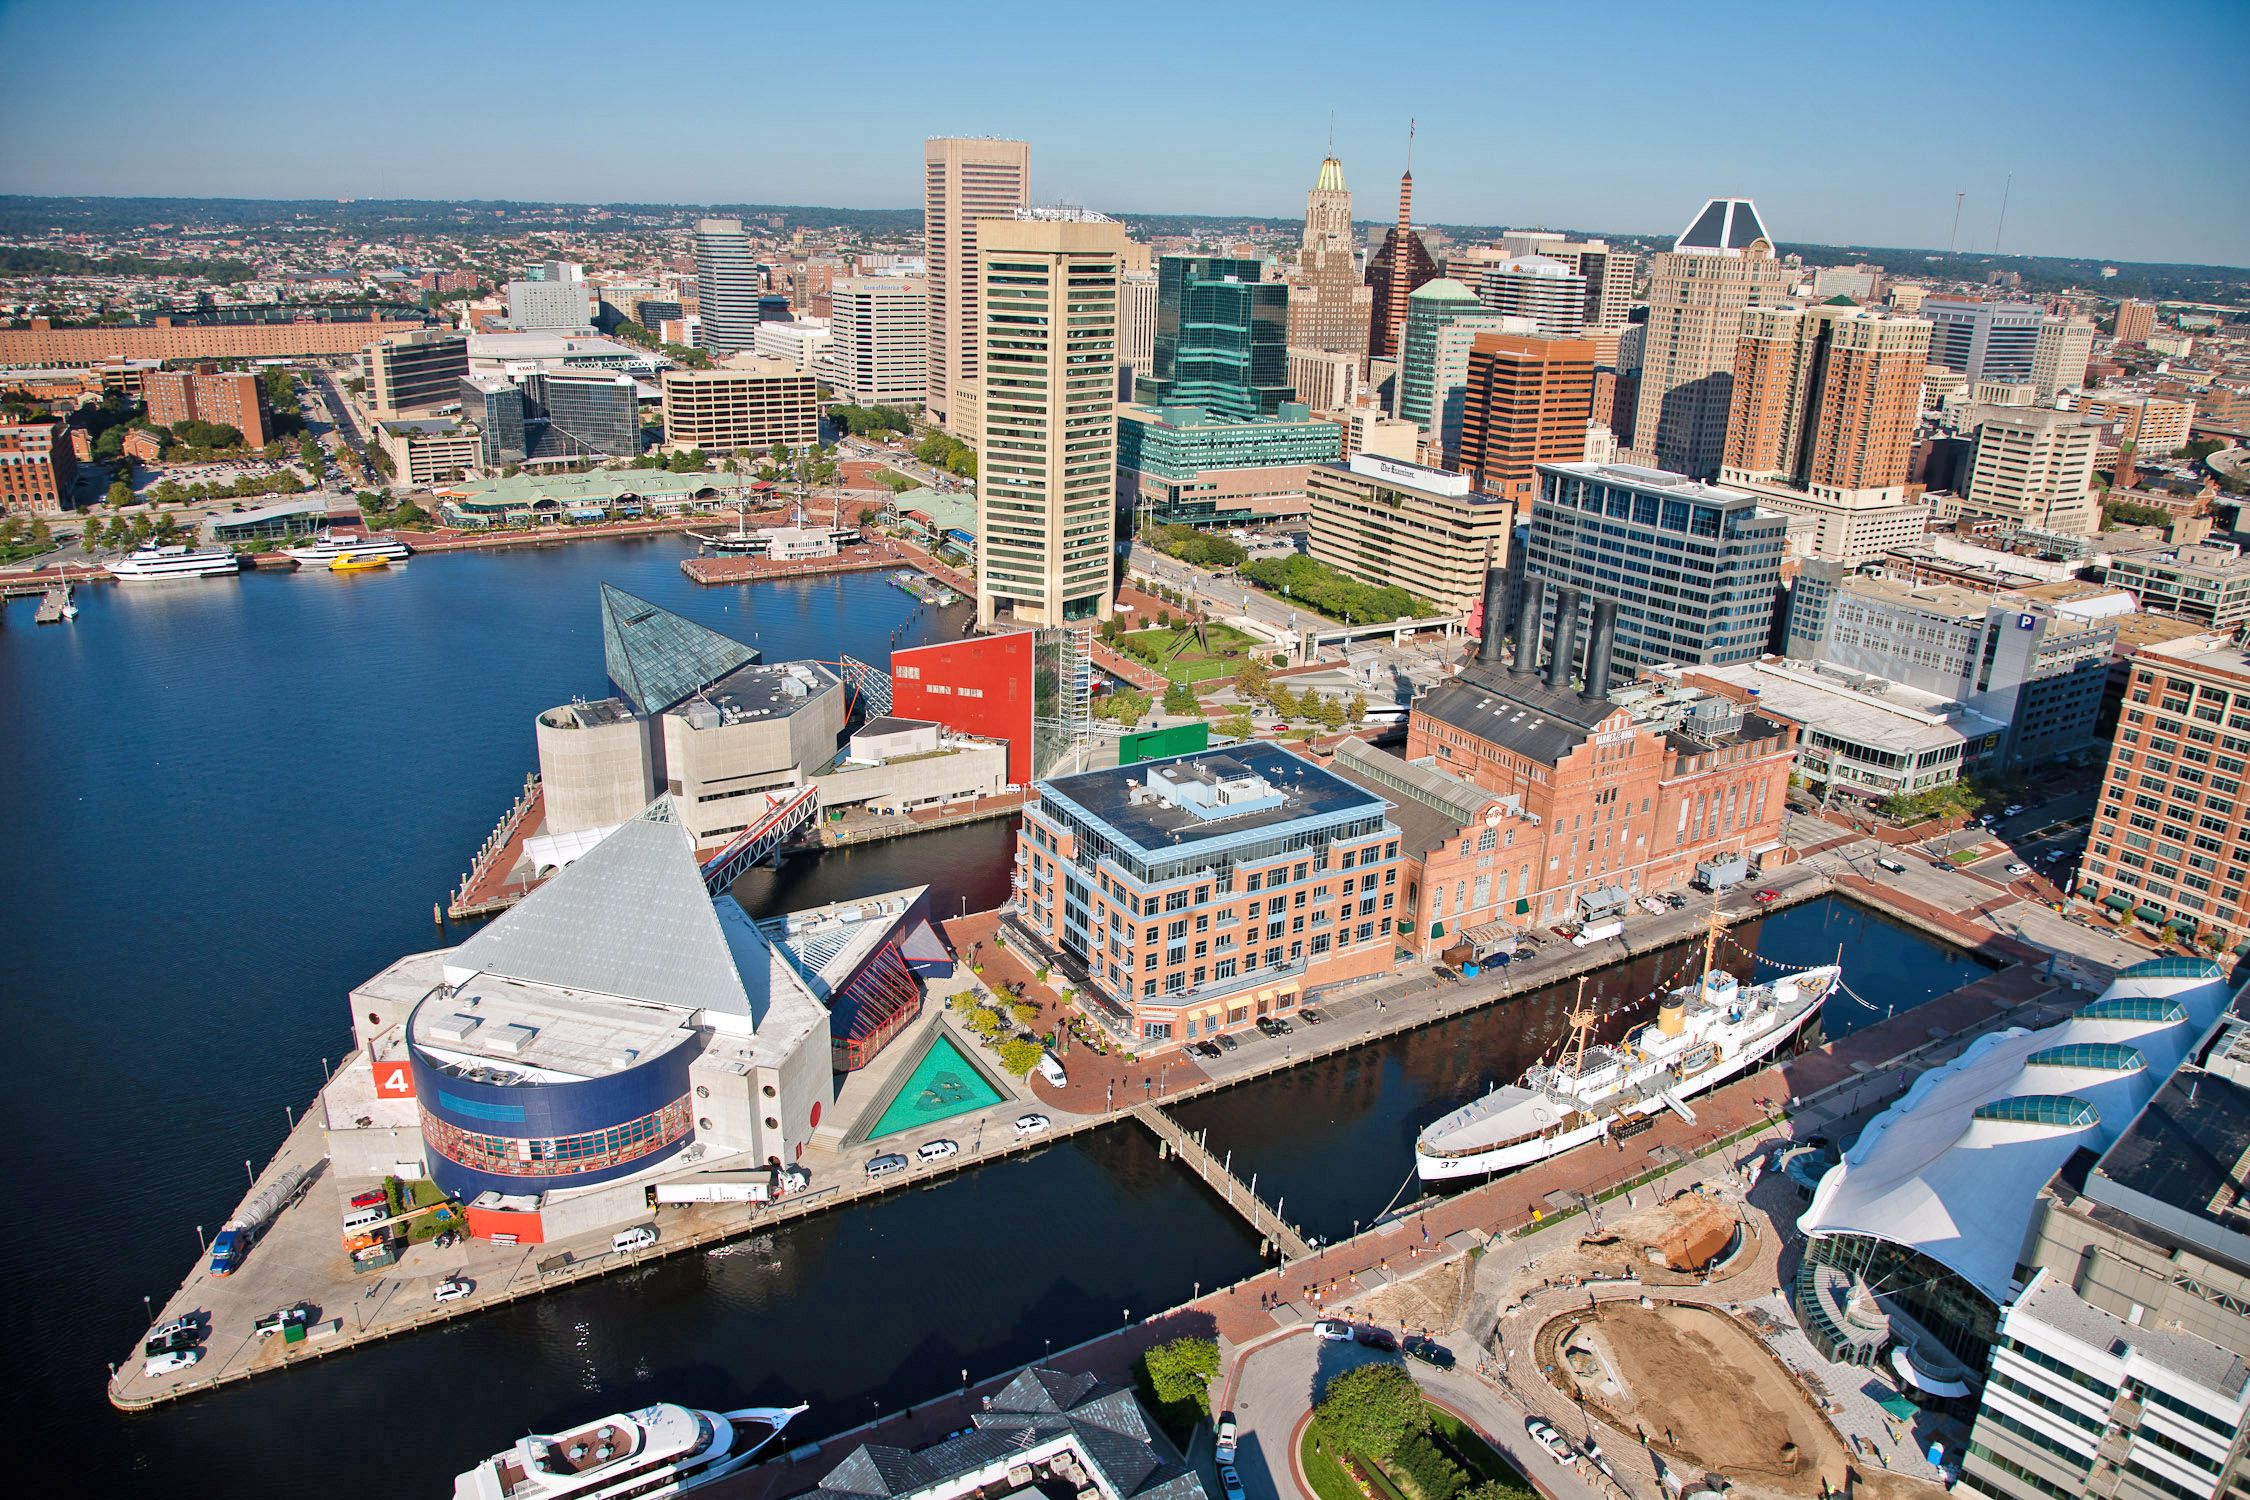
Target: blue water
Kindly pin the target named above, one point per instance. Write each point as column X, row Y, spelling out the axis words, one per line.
column 231, row 801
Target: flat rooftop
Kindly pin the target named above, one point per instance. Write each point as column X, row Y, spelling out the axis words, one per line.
column 2208, row 652
column 1279, row 789
column 500, row 1030
column 1898, row 718
column 2051, row 1303
column 595, row 714
column 1660, row 481
column 761, row 690
column 1946, row 599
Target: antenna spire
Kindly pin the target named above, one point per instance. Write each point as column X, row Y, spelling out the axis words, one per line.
column 1410, row 146
column 1332, row 132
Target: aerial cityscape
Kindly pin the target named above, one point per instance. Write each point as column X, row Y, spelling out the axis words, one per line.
column 845, row 780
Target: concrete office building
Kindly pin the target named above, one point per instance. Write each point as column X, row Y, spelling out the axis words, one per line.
column 1608, row 273
column 1694, row 567
column 1187, row 466
column 653, row 313
column 1368, row 429
column 1324, row 380
column 425, row 450
column 235, row 398
column 1607, row 790
column 728, row 284
column 1853, row 527
column 563, row 304
column 747, row 402
column 2134, row 322
column 1863, row 736
column 2058, row 359
column 2033, row 468
column 963, row 181
column 1438, row 304
column 2035, row 669
column 879, row 345
column 1856, row 282
column 804, row 342
column 1539, row 287
column 1527, row 401
column 2171, row 835
column 1331, row 308
column 1139, row 300
column 1201, row 893
column 1722, row 263
column 1425, row 530
column 1221, row 338
column 2207, row 584
column 415, row 372
column 1826, row 397
column 1983, row 340
column 37, row 468
column 1047, row 290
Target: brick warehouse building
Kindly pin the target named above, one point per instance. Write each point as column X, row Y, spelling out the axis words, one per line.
column 2171, row 838
column 37, row 468
column 205, row 393
column 1608, row 793
column 1194, row 895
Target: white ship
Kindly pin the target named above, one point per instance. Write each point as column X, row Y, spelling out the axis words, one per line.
column 149, row 564
column 659, row 1450
column 329, row 547
column 1704, row 1034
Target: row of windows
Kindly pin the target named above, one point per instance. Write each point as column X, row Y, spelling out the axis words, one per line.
column 559, row 1156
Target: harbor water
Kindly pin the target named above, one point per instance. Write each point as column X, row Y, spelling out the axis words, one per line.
column 233, row 800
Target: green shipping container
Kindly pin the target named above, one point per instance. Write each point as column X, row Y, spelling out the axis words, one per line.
column 1156, row 744
column 293, row 1333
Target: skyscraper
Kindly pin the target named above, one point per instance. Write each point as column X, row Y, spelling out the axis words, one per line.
column 1826, row 397
column 1722, row 263
column 728, row 280
column 879, row 350
column 2034, row 468
column 1983, row 340
column 1047, row 281
column 1221, row 338
column 1403, row 264
column 1430, row 308
column 1538, row 287
column 1136, row 329
column 1330, row 307
column 2134, row 322
column 2058, row 360
column 963, row 180
column 1527, row 402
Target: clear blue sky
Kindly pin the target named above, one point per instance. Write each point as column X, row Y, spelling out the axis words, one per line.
column 2127, row 126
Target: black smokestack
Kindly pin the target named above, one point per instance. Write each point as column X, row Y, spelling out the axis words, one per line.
column 1495, row 614
column 1604, row 646
column 1560, row 664
column 1527, row 626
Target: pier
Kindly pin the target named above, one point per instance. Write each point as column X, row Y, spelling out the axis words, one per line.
column 1219, row 1177
column 752, row 569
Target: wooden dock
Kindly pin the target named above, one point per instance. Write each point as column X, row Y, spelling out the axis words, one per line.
column 1216, row 1175
column 52, row 603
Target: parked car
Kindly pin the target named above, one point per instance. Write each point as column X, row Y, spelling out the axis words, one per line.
column 1224, row 1452
column 171, row 1363
column 171, row 1343
column 191, row 1323
column 1563, row 930
column 1429, row 1351
column 639, row 1237
column 372, row 1198
column 1895, row 866
column 1230, row 1482
column 886, row 1165
column 937, row 1150
column 2011, row 809
column 2018, row 867
column 1226, row 1041
column 2055, row 854
column 1374, row 1337
column 1335, row 1329
column 795, row 1179
column 1310, row 1016
column 1549, row 1439
column 1269, row 1026
column 452, row 1289
column 1032, row 1124
column 1764, row 898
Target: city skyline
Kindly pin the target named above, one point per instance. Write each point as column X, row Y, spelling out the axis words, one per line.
column 1626, row 147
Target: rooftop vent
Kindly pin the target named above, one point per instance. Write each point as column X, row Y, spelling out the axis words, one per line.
column 512, row 1038
column 454, row 1028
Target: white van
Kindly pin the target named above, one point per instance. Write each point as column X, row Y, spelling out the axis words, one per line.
column 1052, row 1070
column 639, row 1237
column 361, row 1220
column 1885, row 862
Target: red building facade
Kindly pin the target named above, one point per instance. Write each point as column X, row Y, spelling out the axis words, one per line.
column 981, row 686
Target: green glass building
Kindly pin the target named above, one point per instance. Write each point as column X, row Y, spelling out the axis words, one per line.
column 1190, row 467
column 1222, row 338
column 1431, row 307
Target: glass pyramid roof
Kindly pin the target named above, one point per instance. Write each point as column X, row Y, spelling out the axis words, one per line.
column 657, row 658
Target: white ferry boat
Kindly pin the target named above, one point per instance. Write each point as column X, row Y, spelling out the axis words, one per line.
column 150, row 564
column 330, row 547
column 659, row 1450
column 1704, row 1034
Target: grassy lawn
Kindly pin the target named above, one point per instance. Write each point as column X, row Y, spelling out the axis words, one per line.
column 1326, row 1473
column 1192, row 663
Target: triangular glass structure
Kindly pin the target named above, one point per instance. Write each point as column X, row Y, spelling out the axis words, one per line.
column 657, row 658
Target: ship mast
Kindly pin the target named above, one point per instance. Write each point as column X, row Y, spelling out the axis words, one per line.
column 1711, row 933
column 1581, row 1027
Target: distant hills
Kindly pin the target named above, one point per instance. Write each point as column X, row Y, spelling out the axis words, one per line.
column 377, row 218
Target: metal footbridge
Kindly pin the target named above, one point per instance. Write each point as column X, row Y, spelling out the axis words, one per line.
column 758, row 842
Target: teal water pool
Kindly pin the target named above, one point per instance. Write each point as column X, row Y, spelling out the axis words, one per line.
column 943, row 1084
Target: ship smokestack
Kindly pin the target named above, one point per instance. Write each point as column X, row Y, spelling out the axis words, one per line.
column 1495, row 614
column 1602, row 648
column 1560, row 664
column 1527, row 626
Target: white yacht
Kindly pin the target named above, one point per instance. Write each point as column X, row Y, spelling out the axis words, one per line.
column 329, row 547
column 1704, row 1034
column 149, row 564
column 659, row 1450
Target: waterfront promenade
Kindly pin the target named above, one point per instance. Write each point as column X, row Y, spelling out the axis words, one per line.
column 1103, row 1087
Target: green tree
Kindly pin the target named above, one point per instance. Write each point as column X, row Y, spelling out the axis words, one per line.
column 1179, row 700
column 1371, row 1410
column 1253, row 678
column 1356, row 710
column 1182, row 1371
column 1019, row 1055
column 1236, row 725
column 42, row 535
column 119, row 493
column 1331, row 713
column 141, row 528
column 1284, row 702
column 281, row 388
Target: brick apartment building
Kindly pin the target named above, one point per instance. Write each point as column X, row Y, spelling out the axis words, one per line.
column 37, row 468
column 169, row 338
column 1605, row 794
column 205, row 393
column 2171, row 839
column 1194, row 895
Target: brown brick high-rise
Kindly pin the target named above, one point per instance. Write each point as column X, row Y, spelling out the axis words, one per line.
column 1826, row 397
column 207, row 394
column 1528, row 402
